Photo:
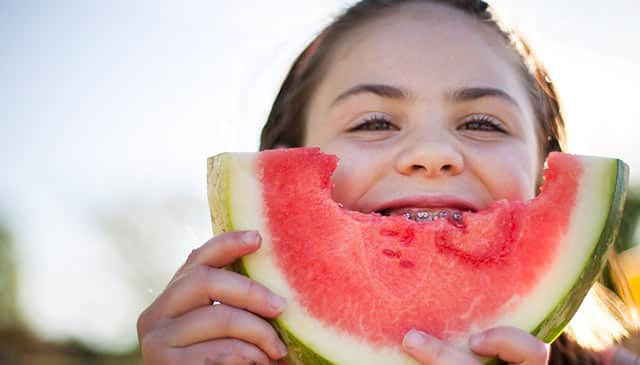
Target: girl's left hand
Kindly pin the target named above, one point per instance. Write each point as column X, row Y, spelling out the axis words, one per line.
column 509, row 344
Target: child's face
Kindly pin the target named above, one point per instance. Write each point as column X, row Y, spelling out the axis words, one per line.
column 426, row 109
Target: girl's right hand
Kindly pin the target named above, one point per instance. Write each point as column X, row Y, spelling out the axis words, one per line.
column 183, row 326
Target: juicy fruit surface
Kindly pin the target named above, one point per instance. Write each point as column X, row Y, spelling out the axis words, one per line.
column 376, row 277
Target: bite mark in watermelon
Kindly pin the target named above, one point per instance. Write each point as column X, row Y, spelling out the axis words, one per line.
column 356, row 283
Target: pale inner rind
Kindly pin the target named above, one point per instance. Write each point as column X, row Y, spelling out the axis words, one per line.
column 593, row 200
column 588, row 219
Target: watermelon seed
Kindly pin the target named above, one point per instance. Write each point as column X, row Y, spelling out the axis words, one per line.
column 406, row 264
column 390, row 253
column 389, row 232
column 407, row 237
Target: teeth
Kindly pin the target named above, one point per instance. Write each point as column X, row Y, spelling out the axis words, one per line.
column 428, row 216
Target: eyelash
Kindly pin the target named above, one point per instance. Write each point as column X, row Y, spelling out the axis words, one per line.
column 483, row 123
column 375, row 122
column 476, row 122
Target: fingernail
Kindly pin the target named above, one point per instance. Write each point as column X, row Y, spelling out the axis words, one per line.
column 414, row 339
column 249, row 237
column 282, row 349
column 276, row 302
column 476, row 339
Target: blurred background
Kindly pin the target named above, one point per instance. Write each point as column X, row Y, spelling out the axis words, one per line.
column 110, row 108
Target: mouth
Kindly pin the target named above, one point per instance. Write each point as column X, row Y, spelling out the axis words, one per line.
column 427, row 209
column 426, row 214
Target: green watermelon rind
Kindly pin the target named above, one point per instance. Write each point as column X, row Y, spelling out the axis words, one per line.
column 551, row 327
column 219, row 186
column 548, row 330
column 303, row 354
column 218, row 182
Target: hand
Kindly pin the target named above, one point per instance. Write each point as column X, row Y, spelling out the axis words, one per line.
column 182, row 326
column 509, row 344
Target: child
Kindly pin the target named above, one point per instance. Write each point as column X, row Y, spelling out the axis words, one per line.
column 422, row 101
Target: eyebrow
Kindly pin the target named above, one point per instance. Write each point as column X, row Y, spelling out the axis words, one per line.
column 473, row 93
column 385, row 91
column 456, row 96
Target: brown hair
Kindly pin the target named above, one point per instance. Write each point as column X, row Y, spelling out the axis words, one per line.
column 285, row 125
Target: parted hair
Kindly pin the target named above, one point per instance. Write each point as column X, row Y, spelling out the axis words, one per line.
column 285, row 126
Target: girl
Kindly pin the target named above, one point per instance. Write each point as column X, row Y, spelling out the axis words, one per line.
column 423, row 101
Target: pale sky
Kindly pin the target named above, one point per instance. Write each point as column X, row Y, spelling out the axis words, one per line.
column 115, row 106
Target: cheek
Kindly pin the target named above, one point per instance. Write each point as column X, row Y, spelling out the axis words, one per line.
column 343, row 192
column 355, row 174
column 511, row 176
column 515, row 186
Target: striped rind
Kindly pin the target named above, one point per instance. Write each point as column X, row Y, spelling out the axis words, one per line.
column 230, row 177
column 236, row 203
column 614, row 189
column 218, row 189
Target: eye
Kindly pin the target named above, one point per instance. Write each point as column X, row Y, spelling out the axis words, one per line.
column 482, row 123
column 375, row 122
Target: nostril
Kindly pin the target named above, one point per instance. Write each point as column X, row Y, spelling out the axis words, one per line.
column 447, row 168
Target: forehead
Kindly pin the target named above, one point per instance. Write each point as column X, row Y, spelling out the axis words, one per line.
column 427, row 48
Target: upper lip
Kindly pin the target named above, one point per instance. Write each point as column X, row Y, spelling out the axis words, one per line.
column 426, row 201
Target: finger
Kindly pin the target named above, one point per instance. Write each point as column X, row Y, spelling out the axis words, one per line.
column 222, row 250
column 220, row 321
column 204, row 285
column 510, row 344
column 431, row 351
column 224, row 352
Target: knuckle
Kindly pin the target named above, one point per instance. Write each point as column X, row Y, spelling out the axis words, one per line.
column 492, row 335
column 142, row 324
column 233, row 319
column 253, row 289
column 249, row 353
column 231, row 355
column 227, row 238
column 173, row 359
column 201, row 273
column 147, row 322
column 227, row 359
column 232, row 352
column 258, row 294
column 150, row 346
column 225, row 316
column 440, row 353
column 192, row 255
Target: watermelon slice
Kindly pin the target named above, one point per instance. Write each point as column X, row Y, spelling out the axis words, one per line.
column 356, row 283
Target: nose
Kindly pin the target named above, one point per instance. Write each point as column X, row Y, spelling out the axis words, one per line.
column 431, row 158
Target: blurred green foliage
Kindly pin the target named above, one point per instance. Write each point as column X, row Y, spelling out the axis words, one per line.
column 626, row 234
column 630, row 219
column 8, row 302
column 18, row 346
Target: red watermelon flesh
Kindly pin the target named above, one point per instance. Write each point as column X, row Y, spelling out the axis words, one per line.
column 338, row 260
column 356, row 283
